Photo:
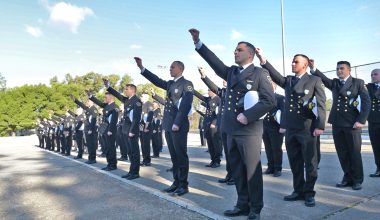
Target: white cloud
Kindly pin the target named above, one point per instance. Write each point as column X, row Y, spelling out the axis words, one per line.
column 135, row 46
column 216, row 47
column 68, row 15
column 34, row 31
column 137, row 26
column 236, row 35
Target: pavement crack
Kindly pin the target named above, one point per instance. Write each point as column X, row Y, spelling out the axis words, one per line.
column 353, row 205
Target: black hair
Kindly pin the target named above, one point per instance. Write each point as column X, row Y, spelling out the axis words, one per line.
column 344, row 62
column 249, row 45
column 131, row 86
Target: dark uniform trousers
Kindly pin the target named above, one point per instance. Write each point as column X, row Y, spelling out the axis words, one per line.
column 374, row 121
column 247, row 175
column 223, row 138
column 145, row 145
column 343, row 116
column 133, row 153
column 121, row 142
column 110, row 142
column 273, row 140
column 348, row 144
column 92, row 142
column 177, row 144
column 79, row 140
column 63, row 143
column 68, row 143
column 157, row 142
column 214, row 144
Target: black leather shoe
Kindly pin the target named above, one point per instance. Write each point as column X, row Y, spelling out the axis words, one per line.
column 181, row 191
column 77, row 157
column 231, row 182
column 171, row 189
column 105, row 168
column 375, row 174
column 215, row 165
column 310, row 201
column 210, row 164
column 147, row 164
column 224, row 180
column 236, row 212
column 253, row 216
column 90, row 161
column 122, row 159
column 277, row 173
column 67, row 154
column 133, row 176
column 294, row 197
column 343, row 184
column 268, row 171
column 111, row 168
column 169, row 170
column 357, row 186
column 126, row 175
column 155, row 156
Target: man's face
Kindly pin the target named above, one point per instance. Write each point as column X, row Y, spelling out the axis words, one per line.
column 89, row 103
column 299, row 65
column 210, row 93
column 128, row 91
column 144, row 98
column 375, row 76
column 343, row 71
column 155, row 105
column 242, row 54
column 109, row 98
column 175, row 70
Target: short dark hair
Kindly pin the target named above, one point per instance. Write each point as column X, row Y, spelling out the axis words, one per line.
column 344, row 62
column 249, row 45
column 302, row 55
column 130, row 85
column 179, row 64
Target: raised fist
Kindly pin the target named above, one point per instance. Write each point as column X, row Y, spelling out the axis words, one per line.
column 139, row 62
column 195, row 34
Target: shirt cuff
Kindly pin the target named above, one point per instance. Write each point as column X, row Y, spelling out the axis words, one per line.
column 312, row 70
column 142, row 70
column 198, row 45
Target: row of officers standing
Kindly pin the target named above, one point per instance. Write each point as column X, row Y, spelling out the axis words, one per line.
column 245, row 112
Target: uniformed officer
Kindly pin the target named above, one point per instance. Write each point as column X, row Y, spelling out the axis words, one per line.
column 146, row 128
column 347, row 120
column 374, row 118
column 272, row 137
column 78, row 129
column 130, row 127
column 209, row 123
column 229, row 180
column 300, row 124
column 40, row 132
column 243, row 126
column 108, row 128
column 58, row 132
column 179, row 98
column 120, row 136
column 68, row 125
column 156, row 130
column 90, row 128
column 201, row 131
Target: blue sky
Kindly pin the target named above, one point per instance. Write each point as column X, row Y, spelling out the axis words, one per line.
column 43, row 38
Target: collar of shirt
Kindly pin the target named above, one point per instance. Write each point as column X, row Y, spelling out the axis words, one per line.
column 300, row 76
column 345, row 79
column 175, row 80
column 245, row 66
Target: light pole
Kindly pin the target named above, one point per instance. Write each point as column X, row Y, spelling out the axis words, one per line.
column 283, row 37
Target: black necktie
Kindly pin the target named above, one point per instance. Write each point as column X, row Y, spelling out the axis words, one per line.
column 342, row 82
column 240, row 68
column 295, row 80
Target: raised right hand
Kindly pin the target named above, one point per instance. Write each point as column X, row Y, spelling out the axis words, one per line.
column 139, row 62
column 195, row 34
column 202, row 72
